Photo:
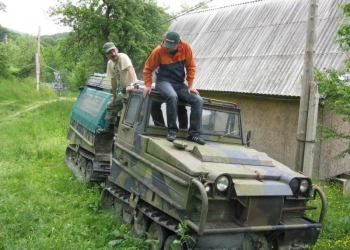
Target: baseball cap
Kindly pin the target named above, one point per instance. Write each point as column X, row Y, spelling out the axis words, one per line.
column 171, row 40
column 107, row 47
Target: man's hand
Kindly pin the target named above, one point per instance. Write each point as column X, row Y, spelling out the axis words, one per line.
column 146, row 91
column 113, row 99
column 129, row 88
column 192, row 89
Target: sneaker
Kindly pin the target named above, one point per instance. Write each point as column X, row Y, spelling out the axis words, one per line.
column 195, row 138
column 105, row 130
column 171, row 137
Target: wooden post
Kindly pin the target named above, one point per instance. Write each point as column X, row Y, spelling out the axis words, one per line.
column 37, row 63
column 308, row 77
column 37, row 66
column 311, row 131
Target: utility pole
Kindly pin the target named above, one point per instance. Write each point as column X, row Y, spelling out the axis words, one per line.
column 304, row 112
column 311, row 131
column 37, row 63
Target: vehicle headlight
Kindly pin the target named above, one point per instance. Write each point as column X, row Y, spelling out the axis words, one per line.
column 222, row 183
column 299, row 185
column 304, row 185
column 207, row 188
column 294, row 185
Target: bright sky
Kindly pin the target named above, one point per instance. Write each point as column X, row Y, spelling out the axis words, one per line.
column 28, row 15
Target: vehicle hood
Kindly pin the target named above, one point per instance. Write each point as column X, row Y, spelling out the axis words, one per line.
column 235, row 160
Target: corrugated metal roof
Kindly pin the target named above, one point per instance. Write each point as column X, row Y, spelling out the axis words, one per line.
column 258, row 47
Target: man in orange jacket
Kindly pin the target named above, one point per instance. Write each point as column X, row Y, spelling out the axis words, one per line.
column 170, row 59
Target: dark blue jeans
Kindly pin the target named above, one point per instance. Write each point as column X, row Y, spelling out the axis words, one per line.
column 174, row 91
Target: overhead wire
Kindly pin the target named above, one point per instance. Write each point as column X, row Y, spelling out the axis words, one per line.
column 200, row 5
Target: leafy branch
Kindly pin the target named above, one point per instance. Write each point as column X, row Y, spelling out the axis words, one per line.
column 334, row 88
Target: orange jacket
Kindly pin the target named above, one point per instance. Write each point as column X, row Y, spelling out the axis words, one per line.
column 170, row 68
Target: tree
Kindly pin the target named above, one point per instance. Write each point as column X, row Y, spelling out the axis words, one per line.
column 52, row 60
column 22, row 50
column 343, row 33
column 334, row 87
column 17, row 54
column 2, row 7
column 4, row 59
column 136, row 27
column 9, row 35
column 185, row 7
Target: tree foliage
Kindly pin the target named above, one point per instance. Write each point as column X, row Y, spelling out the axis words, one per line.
column 185, row 7
column 4, row 59
column 23, row 55
column 7, row 33
column 18, row 52
column 18, row 56
column 51, row 60
column 2, row 6
column 134, row 26
column 334, row 87
column 343, row 33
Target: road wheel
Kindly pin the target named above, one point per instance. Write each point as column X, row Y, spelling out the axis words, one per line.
column 157, row 234
column 89, row 170
column 74, row 157
column 107, row 199
column 128, row 213
column 82, row 164
column 141, row 223
column 118, row 206
column 170, row 240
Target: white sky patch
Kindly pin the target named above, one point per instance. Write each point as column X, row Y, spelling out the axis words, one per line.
column 27, row 16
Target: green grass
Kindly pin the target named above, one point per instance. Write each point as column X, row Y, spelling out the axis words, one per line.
column 17, row 94
column 335, row 233
column 42, row 205
column 24, row 90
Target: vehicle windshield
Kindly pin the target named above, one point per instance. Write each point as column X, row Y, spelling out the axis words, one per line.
column 220, row 123
column 214, row 122
column 91, row 101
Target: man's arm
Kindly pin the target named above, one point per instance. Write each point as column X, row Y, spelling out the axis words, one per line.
column 190, row 70
column 132, row 78
column 114, row 88
column 151, row 64
column 132, row 74
column 109, row 73
column 190, row 64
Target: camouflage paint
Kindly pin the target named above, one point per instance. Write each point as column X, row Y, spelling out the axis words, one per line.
column 258, row 210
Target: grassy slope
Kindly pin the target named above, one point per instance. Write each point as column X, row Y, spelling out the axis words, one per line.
column 42, row 205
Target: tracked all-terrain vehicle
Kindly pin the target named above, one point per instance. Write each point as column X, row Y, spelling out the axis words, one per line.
column 229, row 195
column 89, row 154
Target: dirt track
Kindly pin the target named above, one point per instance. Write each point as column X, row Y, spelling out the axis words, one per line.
column 38, row 105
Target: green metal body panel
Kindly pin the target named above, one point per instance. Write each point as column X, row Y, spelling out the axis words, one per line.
column 90, row 108
column 89, row 154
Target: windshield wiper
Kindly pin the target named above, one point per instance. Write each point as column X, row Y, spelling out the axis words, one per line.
column 227, row 134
